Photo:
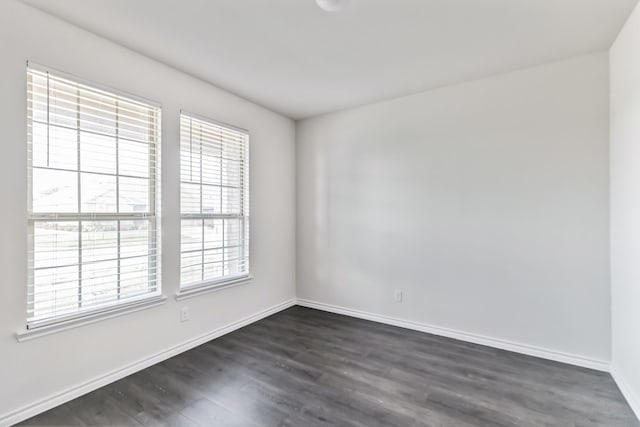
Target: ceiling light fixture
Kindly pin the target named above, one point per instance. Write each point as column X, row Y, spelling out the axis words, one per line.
column 332, row 5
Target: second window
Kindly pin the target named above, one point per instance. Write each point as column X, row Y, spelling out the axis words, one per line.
column 214, row 202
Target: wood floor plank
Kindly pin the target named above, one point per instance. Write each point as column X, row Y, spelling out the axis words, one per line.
column 207, row 413
column 58, row 416
column 303, row 367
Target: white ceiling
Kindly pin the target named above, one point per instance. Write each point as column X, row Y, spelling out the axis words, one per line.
column 294, row 58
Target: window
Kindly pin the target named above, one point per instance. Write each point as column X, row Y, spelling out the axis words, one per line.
column 92, row 198
column 214, row 202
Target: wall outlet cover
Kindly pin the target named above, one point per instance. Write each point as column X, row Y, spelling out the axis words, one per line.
column 184, row 314
column 397, row 296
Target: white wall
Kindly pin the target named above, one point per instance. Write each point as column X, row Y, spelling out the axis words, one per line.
column 625, row 208
column 36, row 369
column 485, row 202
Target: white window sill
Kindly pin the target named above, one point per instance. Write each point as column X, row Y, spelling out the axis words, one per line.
column 207, row 287
column 88, row 318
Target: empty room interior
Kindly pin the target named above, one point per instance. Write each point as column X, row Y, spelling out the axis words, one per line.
column 320, row 213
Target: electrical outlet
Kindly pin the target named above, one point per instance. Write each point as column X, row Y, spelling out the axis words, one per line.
column 397, row 296
column 184, row 314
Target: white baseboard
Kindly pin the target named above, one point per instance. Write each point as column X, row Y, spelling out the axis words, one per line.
column 572, row 359
column 633, row 399
column 52, row 401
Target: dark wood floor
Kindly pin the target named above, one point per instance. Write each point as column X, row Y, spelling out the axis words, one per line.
column 303, row 367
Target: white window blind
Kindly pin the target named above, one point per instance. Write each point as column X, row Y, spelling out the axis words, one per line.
column 214, row 171
column 93, row 197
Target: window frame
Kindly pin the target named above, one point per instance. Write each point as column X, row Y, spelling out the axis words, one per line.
column 41, row 324
column 224, row 282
